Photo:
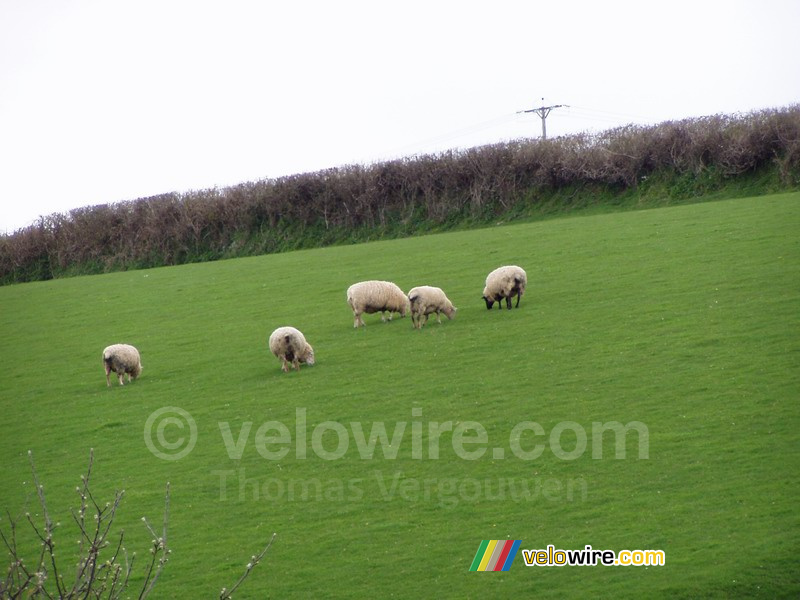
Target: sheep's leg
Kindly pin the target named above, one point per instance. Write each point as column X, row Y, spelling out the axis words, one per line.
column 508, row 302
column 284, row 365
column 518, row 298
column 296, row 364
column 438, row 317
column 120, row 378
column 108, row 376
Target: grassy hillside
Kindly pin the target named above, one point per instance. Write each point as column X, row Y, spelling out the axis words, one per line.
column 686, row 319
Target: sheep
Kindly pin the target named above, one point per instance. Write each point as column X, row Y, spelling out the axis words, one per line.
column 123, row 359
column 426, row 300
column 504, row 282
column 376, row 296
column 290, row 346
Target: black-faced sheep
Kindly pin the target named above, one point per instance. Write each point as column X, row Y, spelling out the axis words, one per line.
column 426, row 300
column 504, row 282
column 376, row 296
column 290, row 346
column 123, row 359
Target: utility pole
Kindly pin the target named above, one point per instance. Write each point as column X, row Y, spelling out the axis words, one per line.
column 543, row 111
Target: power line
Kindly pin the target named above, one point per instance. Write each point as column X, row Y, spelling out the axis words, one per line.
column 458, row 133
column 607, row 114
column 543, row 111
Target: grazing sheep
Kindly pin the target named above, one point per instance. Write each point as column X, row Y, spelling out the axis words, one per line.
column 290, row 346
column 504, row 282
column 376, row 296
column 123, row 359
column 426, row 300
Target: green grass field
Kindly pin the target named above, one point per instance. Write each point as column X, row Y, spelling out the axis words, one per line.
column 685, row 319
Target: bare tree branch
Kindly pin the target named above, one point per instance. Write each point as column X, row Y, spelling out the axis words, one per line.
column 226, row 594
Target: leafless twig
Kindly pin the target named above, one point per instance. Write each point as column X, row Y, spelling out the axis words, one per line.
column 226, row 593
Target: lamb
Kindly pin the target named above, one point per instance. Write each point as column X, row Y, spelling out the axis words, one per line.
column 504, row 282
column 123, row 359
column 290, row 346
column 376, row 296
column 426, row 300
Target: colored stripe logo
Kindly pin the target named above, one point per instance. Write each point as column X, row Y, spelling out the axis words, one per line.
column 495, row 555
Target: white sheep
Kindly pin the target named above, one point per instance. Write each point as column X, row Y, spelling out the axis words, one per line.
column 123, row 359
column 426, row 300
column 290, row 346
column 504, row 282
column 376, row 296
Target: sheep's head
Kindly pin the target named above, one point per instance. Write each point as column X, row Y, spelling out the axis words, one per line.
column 309, row 355
column 450, row 311
column 489, row 301
column 405, row 307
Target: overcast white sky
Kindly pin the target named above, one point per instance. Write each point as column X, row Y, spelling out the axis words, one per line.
column 104, row 100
